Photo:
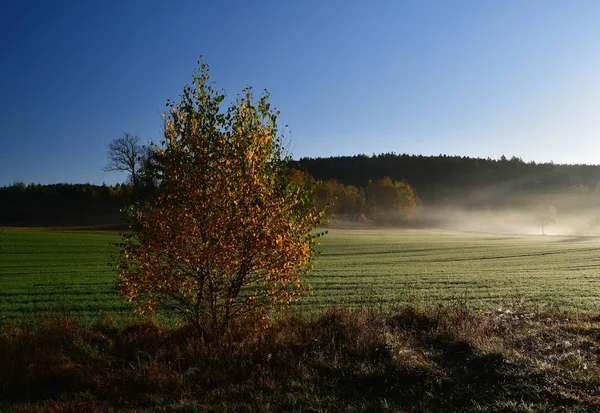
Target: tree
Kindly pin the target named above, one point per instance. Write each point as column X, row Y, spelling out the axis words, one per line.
column 390, row 202
column 125, row 154
column 595, row 221
column 545, row 215
column 229, row 234
column 149, row 175
column 342, row 201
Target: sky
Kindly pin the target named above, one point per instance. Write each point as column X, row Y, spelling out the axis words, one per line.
column 480, row 78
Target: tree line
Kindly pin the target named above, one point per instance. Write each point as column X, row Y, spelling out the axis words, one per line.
column 384, row 201
column 384, row 189
column 460, row 181
column 62, row 204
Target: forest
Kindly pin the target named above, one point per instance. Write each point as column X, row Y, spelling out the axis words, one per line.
column 62, row 204
column 396, row 189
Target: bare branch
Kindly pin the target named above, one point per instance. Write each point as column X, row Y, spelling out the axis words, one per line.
column 124, row 156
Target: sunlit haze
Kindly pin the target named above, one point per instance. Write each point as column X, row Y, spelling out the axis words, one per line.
column 469, row 78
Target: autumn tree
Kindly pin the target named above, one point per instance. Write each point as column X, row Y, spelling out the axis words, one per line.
column 229, row 235
column 342, row 201
column 390, row 202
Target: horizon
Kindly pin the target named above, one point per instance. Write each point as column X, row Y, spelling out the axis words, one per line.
column 470, row 79
column 507, row 159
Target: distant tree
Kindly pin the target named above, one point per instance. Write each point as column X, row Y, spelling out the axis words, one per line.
column 595, row 221
column 149, row 174
column 126, row 154
column 229, row 234
column 545, row 215
column 390, row 202
column 342, row 201
column 350, row 202
column 325, row 195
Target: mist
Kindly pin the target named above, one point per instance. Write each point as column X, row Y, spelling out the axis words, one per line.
column 506, row 222
column 574, row 213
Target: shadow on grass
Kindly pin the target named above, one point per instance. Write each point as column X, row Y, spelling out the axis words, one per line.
column 416, row 359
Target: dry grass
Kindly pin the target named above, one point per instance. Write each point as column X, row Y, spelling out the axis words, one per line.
column 411, row 359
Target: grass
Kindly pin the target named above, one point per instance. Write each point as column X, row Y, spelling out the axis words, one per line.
column 388, row 266
column 442, row 359
column 44, row 271
column 400, row 321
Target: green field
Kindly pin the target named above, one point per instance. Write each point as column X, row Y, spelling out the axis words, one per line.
column 42, row 271
column 391, row 266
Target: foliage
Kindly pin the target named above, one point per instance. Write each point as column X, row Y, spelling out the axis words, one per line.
column 149, row 171
column 390, row 202
column 62, row 204
column 453, row 180
column 342, row 201
column 229, row 234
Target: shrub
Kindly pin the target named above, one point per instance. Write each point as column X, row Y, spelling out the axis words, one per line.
column 229, row 235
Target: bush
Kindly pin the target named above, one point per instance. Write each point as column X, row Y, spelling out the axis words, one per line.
column 229, row 234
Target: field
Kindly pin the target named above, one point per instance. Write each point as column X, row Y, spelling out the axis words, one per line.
column 392, row 266
column 42, row 271
column 415, row 341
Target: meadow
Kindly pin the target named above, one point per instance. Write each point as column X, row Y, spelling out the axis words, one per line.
column 398, row 321
column 44, row 271
column 434, row 266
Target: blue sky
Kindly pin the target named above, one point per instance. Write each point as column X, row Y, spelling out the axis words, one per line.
column 478, row 78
